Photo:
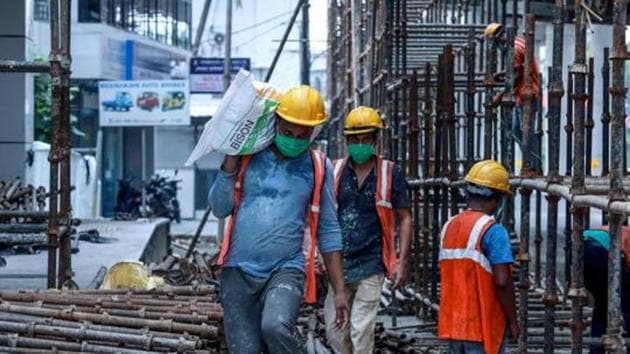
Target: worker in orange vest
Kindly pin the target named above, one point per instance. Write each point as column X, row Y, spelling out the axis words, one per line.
column 496, row 33
column 274, row 198
column 371, row 193
column 477, row 306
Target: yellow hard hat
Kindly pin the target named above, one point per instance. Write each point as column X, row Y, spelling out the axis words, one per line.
column 492, row 29
column 362, row 120
column 130, row 275
column 489, row 174
column 302, row 105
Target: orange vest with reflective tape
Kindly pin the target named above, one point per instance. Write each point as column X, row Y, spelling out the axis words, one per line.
column 312, row 217
column 386, row 216
column 469, row 306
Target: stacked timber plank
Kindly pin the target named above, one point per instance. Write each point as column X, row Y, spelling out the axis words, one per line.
column 173, row 319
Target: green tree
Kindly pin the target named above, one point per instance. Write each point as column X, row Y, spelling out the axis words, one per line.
column 42, row 122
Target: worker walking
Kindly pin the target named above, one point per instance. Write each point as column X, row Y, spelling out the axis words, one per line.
column 371, row 194
column 596, row 248
column 272, row 197
column 496, row 33
column 477, row 306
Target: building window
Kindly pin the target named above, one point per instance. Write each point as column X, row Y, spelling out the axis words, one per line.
column 89, row 10
column 166, row 21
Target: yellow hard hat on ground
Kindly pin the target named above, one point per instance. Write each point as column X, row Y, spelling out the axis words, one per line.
column 302, row 105
column 490, row 174
column 362, row 120
column 130, row 275
column 492, row 29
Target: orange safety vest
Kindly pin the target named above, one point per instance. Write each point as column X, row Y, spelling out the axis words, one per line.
column 469, row 306
column 384, row 207
column 312, row 217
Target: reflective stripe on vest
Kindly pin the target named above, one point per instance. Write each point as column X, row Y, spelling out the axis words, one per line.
column 312, row 219
column 470, row 252
column 383, row 201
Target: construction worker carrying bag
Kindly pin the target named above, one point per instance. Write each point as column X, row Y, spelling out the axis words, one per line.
column 272, row 197
column 477, row 305
column 372, row 195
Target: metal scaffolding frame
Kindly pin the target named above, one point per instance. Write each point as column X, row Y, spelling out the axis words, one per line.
column 59, row 214
column 431, row 75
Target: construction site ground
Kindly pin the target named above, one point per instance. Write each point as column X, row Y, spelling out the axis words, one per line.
column 131, row 239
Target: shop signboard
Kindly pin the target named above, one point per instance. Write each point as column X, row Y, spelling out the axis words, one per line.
column 143, row 103
column 206, row 74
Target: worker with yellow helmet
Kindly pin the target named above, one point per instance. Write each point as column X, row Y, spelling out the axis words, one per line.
column 496, row 33
column 274, row 198
column 371, row 196
column 475, row 268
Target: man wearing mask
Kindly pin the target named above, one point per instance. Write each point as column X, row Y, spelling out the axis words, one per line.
column 477, row 305
column 496, row 33
column 371, row 194
column 272, row 197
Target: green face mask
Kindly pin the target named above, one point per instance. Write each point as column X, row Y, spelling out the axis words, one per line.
column 360, row 153
column 290, row 147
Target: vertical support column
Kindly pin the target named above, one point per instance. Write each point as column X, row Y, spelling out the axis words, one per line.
column 605, row 114
column 550, row 297
column 436, row 173
column 589, row 124
column 451, row 120
column 568, row 128
column 577, row 292
column 414, row 151
column 414, row 130
column 55, row 154
column 489, row 110
column 523, row 256
column 605, row 121
column 507, row 107
column 538, row 239
column 614, row 342
column 65, row 250
column 445, row 131
column 528, row 169
column 470, row 99
column 426, row 167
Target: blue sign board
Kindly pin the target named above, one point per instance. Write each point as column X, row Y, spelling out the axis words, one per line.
column 206, row 74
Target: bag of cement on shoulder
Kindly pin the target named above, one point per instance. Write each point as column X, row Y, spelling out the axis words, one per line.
column 244, row 122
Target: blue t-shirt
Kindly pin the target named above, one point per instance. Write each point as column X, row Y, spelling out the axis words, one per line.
column 360, row 225
column 269, row 228
column 495, row 245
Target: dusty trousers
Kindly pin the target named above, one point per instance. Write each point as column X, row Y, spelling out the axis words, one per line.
column 364, row 298
column 260, row 314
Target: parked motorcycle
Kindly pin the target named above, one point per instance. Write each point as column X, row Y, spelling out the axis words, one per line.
column 160, row 199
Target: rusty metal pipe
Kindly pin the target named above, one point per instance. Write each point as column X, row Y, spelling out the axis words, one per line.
column 204, row 331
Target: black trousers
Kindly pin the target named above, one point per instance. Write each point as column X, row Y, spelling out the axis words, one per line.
column 596, row 282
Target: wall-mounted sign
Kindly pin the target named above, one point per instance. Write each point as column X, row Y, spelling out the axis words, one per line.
column 41, row 10
column 206, row 74
column 143, row 103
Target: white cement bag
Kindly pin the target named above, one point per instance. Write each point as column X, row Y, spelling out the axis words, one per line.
column 244, row 122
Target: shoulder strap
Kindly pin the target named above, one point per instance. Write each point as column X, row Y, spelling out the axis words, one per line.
column 245, row 160
column 338, row 166
column 319, row 174
column 238, row 193
column 384, row 180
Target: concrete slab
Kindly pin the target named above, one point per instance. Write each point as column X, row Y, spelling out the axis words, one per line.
column 132, row 238
column 189, row 227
